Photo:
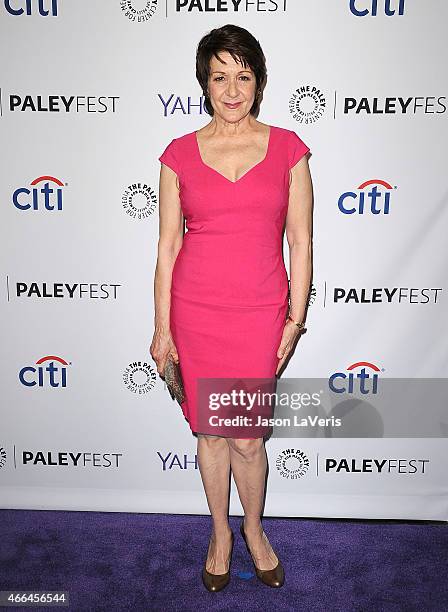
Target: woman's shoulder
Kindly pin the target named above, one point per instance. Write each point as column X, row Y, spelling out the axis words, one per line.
column 182, row 139
column 294, row 146
column 285, row 132
column 176, row 151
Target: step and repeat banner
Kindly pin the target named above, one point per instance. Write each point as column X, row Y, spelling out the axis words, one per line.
column 91, row 92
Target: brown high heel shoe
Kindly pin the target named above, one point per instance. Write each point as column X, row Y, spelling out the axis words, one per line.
column 274, row 577
column 216, row 582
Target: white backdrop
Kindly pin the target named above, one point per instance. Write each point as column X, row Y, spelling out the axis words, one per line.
column 91, row 93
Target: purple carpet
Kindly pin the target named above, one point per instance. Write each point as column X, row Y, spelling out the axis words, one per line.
column 112, row 561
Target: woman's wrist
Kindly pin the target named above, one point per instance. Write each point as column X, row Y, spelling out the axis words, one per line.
column 300, row 324
column 162, row 326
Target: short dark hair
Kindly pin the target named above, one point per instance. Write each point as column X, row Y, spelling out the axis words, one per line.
column 242, row 46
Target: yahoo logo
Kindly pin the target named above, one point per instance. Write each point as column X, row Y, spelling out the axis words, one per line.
column 373, row 4
column 377, row 200
column 174, row 104
column 180, row 462
column 32, row 7
column 366, row 383
column 49, row 198
column 47, row 373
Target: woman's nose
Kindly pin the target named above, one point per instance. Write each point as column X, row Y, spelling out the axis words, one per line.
column 232, row 88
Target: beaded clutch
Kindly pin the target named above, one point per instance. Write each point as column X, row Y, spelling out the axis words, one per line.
column 173, row 379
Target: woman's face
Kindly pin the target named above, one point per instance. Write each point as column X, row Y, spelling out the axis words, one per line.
column 231, row 88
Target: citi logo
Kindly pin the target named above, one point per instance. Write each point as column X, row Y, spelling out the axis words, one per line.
column 356, row 380
column 49, row 371
column 32, row 7
column 362, row 8
column 375, row 201
column 45, row 192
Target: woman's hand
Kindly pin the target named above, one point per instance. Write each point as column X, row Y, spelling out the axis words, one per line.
column 290, row 333
column 162, row 345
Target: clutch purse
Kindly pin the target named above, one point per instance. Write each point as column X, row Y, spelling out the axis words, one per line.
column 173, row 379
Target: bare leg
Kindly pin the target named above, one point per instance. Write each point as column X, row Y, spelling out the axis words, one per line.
column 248, row 462
column 214, row 466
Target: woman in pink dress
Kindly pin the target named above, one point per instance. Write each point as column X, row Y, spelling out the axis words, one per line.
column 223, row 308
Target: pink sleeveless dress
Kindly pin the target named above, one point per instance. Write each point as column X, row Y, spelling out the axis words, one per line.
column 229, row 292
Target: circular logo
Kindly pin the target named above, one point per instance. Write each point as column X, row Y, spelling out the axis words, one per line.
column 2, row 457
column 312, row 295
column 292, row 463
column 139, row 200
column 307, row 104
column 139, row 377
column 138, row 15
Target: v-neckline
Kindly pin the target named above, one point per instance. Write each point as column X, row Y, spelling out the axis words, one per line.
column 247, row 171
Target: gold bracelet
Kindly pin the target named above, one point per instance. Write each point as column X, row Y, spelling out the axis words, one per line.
column 301, row 326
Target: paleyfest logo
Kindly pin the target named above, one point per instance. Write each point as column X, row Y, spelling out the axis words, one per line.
column 231, row 6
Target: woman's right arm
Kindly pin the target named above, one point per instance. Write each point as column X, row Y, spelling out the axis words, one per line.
column 171, row 226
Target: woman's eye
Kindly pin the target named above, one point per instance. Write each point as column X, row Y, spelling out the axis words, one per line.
column 243, row 77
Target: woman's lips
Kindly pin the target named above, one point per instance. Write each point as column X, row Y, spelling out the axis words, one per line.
column 233, row 105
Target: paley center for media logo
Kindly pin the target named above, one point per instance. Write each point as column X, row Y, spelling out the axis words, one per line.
column 139, row 200
column 312, row 293
column 292, row 463
column 48, row 371
column 3, row 457
column 307, row 104
column 139, row 377
column 138, row 12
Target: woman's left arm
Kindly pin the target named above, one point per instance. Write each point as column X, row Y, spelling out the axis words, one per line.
column 299, row 236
